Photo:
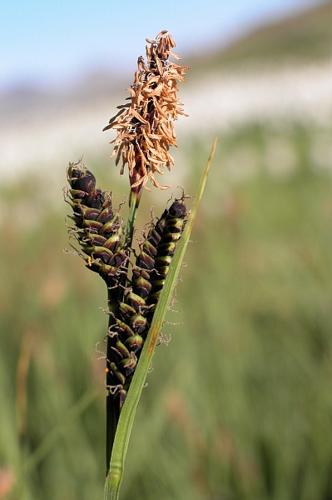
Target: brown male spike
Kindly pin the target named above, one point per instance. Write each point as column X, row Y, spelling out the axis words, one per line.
column 144, row 126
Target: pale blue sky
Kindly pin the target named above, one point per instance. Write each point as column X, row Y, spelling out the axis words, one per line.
column 55, row 41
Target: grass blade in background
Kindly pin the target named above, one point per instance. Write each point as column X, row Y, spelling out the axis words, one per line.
column 121, row 441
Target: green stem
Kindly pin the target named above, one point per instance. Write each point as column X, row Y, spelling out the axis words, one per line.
column 112, row 410
column 134, row 200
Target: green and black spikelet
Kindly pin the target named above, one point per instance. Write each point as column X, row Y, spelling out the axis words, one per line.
column 134, row 314
column 97, row 229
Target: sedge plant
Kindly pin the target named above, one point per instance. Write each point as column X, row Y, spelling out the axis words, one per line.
column 139, row 284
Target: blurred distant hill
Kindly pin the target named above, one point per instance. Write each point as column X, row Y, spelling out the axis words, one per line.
column 302, row 37
column 281, row 70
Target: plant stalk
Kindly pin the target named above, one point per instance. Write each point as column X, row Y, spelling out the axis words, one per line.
column 112, row 410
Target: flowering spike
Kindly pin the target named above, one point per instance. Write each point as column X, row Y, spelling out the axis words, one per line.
column 97, row 229
column 144, row 126
column 132, row 320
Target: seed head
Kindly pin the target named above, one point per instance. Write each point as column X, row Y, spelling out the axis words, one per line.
column 97, row 229
column 144, row 126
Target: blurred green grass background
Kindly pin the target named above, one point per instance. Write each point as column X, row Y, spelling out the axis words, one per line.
column 238, row 405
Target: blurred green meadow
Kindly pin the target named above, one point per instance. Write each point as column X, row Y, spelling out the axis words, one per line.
column 238, row 405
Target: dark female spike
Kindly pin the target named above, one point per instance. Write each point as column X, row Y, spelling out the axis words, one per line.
column 135, row 312
column 174, row 222
column 97, row 229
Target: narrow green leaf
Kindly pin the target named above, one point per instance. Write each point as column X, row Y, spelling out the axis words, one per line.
column 120, row 446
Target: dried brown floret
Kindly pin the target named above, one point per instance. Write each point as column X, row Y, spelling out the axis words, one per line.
column 145, row 128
